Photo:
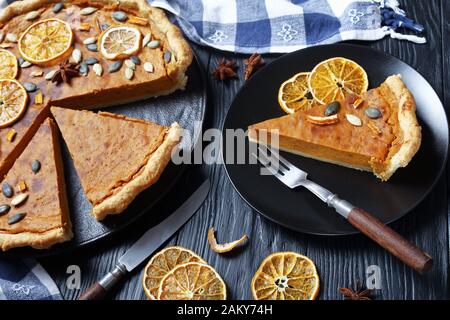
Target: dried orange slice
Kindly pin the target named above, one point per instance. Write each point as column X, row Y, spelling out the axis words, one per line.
column 120, row 42
column 161, row 263
column 192, row 281
column 8, row 65
column 335, row 78
column 46, row 42
column 13, row 101
column 294, row 93
column 286, row 276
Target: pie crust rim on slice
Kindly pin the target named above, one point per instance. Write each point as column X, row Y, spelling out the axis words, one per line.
column 408, row 136
column 44, row 240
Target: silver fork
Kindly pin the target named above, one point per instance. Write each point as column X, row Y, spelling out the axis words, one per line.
column 294, row 177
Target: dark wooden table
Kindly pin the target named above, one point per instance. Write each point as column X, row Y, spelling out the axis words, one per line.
column 340, row 260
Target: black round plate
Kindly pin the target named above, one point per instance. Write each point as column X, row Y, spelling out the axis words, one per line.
column 299, row 209
column 188, row 109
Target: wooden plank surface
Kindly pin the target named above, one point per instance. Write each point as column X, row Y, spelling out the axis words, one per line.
column 340, row 260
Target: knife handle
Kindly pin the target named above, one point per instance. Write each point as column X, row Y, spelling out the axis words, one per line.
column 98, row 290
column 390, row 240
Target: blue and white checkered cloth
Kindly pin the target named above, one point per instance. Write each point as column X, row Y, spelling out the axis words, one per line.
column 266, row 26
column 25, row 279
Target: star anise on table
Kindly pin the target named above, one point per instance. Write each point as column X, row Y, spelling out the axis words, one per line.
column 225, row 70
column 358, row 293
column 66, row 70
column 253, row 63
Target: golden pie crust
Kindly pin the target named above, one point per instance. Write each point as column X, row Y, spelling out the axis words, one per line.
column 47, row 221
column 379, row 145
column 115, row 157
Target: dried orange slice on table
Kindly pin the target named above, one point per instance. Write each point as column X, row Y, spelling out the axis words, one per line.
column 336, row 78
column 192, row 281
column 286, row 276
column 13, row 101
column 46, row 42
column 119, row 42
column 294, row 93
column 8, row 65
column 163, row 262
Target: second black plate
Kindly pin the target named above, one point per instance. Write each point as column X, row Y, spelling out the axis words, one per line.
column 299, row 209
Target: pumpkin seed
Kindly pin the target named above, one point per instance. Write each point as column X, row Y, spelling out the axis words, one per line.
column 32, row 15
column 115, row 66
column 129, row 73
column 16, row 218
column 148, row 67
column 146, row 39
column 373, row 113
column 332, row 108
column 87, row 11
column 4, row 209
column 98, row 69
column 153, row 44
column 104, row 26
column 50, row 75
column 11, row 37
column 130, row 64
column 135, row 59
column 57, row 7
column 35, row 166
column 354, row 120
column 7, row 190
column 167, row 56
column 23, row 63
column 2, row 36
column 91, row 61
column 92, row 47
column 19, row 199
column 76, row 55
column 90, row 40
column 83, row 69
column 119, row 16
column 30, row 87
column 37, row 73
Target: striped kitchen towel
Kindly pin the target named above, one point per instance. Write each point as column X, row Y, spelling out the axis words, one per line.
column 265, row 26
column 25, row 279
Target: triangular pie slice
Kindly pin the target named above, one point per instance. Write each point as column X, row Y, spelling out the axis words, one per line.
column 380, row 145
column 33, row 202
column 115, row 157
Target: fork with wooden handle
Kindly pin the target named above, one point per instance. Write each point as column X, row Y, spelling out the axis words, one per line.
column 293, row 177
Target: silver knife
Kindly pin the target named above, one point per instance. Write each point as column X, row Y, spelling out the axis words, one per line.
column 147, row 244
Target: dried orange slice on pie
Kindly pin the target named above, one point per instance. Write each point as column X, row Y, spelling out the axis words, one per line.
column 163, row 262
column 336, row 78
column 192, row 281
column 286, row 276
column 46, row 42
column 8, row 65
column 294, row 93
column 13, row 101
column 120, row 42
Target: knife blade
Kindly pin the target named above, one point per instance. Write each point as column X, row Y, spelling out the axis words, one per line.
column 151, row 240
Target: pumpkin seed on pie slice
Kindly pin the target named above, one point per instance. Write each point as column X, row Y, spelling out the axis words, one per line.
column 39, row 215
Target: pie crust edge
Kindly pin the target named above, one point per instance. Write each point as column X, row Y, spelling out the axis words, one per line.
column 42, row 240
column 150, row 174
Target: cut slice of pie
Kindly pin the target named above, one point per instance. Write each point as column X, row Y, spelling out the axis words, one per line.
column 378, row 132
column 33, row 203
column 115, row 157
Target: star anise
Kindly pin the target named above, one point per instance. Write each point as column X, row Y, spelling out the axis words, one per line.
column 66, row 70
column 225, row 70
column 358, row 293
column 252, row 64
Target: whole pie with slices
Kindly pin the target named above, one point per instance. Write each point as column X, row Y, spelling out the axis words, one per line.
column 84, row 53
column 376, row 130
column 81, row 54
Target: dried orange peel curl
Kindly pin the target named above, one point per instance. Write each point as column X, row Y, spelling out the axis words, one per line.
column 226, row 247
